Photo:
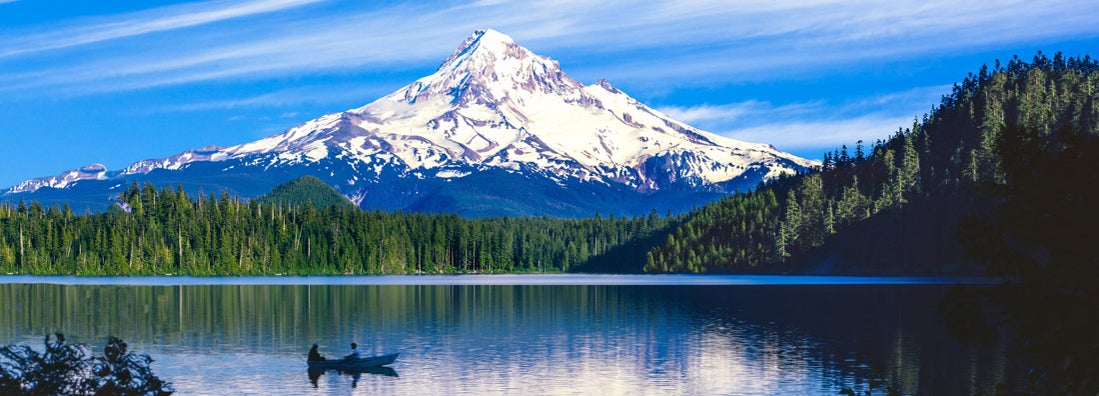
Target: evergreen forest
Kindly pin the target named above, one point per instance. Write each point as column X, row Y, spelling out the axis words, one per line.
column 165, row 231
column 899, row 205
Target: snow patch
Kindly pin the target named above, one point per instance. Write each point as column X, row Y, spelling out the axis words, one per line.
column 451, row 174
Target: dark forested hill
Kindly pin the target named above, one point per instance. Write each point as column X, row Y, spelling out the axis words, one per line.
column 895, row 206
column 305, row 189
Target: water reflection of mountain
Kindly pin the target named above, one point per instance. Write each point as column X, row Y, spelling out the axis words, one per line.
column 680, row 339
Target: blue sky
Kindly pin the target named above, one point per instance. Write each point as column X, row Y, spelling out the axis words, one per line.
column 119, row 81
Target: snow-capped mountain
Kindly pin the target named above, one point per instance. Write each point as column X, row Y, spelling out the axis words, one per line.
column 492, row 113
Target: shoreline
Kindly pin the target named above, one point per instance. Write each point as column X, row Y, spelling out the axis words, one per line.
column 499, row 279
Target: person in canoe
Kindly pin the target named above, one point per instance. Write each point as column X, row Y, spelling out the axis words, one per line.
column 315, row 356
column 354, row 352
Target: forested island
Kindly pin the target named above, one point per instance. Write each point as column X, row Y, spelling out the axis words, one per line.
column 897, row 206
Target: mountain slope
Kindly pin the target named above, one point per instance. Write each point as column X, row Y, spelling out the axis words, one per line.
column 492, row 109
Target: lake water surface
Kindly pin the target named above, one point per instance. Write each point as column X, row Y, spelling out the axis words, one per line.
column 531, row 334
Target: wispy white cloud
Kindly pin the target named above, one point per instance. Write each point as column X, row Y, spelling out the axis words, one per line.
column 727, row 114
column 282, row 98
column 142, row 22
column 818, row 136
column 688, row 41
column 749, row 42
column 709, row 113
column 813, row 126
column 914, row 101
column 291, row 47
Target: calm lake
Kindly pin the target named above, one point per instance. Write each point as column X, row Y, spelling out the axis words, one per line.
column 530, row 334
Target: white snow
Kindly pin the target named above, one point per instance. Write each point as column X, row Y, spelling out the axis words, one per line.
column 450, row 173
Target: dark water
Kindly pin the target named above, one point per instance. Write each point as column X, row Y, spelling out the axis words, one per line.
column 522, row 339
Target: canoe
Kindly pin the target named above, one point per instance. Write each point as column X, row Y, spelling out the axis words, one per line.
column 354, row 364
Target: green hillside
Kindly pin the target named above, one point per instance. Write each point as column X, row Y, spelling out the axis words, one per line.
column 305, row 189
column 896, row 206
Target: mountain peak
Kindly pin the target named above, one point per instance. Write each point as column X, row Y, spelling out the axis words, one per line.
column 493, row 39
column 494, row 112
column 483, row 41
column 489, row 67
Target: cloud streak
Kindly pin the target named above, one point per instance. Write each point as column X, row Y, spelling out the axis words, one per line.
column 813, row 127
column 282, row 98
column 699, row 41
column 143, row 22
column 733, row 113
column 811, row 138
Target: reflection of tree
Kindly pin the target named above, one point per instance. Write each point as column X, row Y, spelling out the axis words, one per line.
column 72, row 369
column 745, row 328
column 234, row 314
column 857, row 335
column 1040, row 237
column 876, row 385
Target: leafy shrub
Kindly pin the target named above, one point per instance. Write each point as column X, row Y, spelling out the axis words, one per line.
column 72, row 369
